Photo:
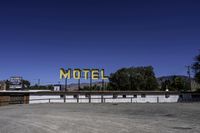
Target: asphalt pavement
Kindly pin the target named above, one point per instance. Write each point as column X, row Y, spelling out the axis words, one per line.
column 101, row 118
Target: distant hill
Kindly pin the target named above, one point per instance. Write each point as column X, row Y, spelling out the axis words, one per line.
column 74, row 86
column 170, row 77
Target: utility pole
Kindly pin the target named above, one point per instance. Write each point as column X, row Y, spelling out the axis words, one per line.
column 189, row 76
column 102, row 85
column 65, row 84
column 79, row 84
column 90, row 80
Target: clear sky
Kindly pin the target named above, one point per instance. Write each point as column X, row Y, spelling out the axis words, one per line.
column 38, row 37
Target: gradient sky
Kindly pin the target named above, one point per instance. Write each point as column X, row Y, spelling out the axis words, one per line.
column 39, row 37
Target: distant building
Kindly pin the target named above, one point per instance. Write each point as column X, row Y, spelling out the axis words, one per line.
column 57, row 88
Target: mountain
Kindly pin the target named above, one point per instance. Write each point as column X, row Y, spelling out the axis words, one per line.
column 171, row 77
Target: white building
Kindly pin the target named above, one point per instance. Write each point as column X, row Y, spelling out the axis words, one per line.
column 57, row 88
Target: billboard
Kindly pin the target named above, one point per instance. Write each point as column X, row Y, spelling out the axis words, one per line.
column 94, row 74
column 16, row 82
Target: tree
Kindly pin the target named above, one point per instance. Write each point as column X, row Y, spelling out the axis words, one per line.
column 93, row 88
column 165, row 85
column 133, row 78
column 41, row 87
column 7, row 84
column 120, row 80
column 179, row 84
column 196, row 68
column 26, row 84
column 175, row 83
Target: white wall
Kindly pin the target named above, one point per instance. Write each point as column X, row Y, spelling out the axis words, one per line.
column 106, row 99
column 36, row 99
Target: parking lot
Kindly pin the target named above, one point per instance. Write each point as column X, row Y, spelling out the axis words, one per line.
column 101, row 118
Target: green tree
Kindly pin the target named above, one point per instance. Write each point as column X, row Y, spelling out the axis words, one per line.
column 26, row 84
column 41, row 87
column 165, row 85
column 175, row 83
column 133, row 78
column 7, row 84
column 120, row 79
column 179, row 84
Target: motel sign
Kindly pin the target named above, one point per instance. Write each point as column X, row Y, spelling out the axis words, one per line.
column 94, row 74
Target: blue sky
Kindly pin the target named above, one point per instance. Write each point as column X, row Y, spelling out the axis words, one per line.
column 39, row 37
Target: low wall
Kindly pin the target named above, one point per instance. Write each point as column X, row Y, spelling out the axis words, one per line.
column 27, row 97
column 13, row 98
column 4, row 100
column 103, row 99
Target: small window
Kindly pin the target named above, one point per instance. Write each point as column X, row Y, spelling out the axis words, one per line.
column 143, row 95
column 124, row 96
column 114, row 96
column 135, row 96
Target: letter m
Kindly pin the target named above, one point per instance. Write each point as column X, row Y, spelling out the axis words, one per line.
column 65, row 74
